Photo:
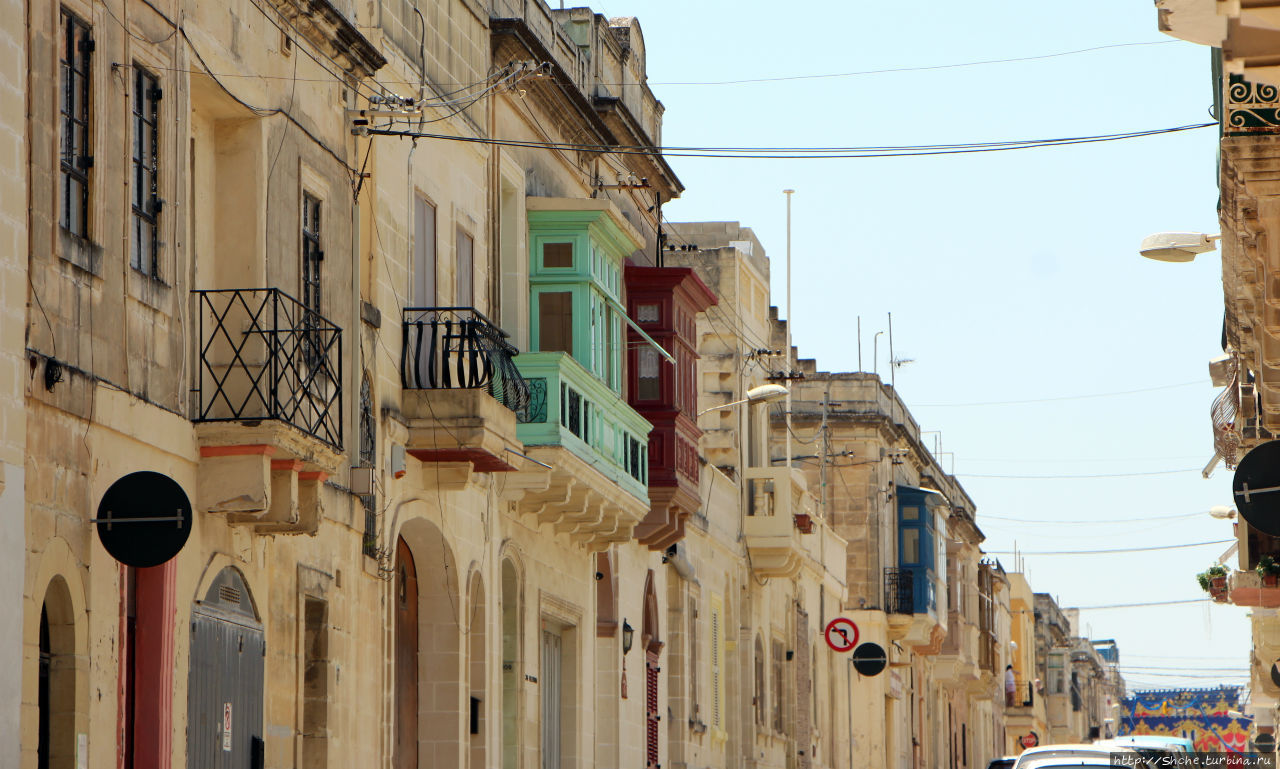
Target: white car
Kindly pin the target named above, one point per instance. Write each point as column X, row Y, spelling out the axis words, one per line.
column 1153, row 742
column 1055, row 756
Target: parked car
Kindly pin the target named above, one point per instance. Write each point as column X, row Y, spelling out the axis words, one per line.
column 1161, row 743
column 1059, row 756
column 1006, row 762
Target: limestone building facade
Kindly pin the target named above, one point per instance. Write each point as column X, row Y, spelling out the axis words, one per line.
column 365, row 304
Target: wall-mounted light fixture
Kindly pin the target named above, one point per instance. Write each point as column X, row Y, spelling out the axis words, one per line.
column 761, row 394
column 628, row 634
column 1177, row 246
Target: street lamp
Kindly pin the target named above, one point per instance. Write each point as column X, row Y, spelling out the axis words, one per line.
column 762, row 394
column 1177, row 246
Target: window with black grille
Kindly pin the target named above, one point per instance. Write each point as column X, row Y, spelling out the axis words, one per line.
column 146, row 165
column 312, row 259
column 368, row 457
column 75, row 105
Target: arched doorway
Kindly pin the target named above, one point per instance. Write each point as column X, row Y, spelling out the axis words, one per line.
column 430, row 682
column 406, row 656
column 224, row 688
column 649, row 636
column 511, row 662
column 477, row 671
column 56, row 747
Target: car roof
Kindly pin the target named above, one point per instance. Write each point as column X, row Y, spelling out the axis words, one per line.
column 1071, row 754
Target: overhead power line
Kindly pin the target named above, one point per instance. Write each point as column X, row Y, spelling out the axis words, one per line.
column 894, row 70
column 1069, row 477
column 1096, row 521
column 1059, row 397
column 790, row 153
column 1144, row 604
column 1113, row 550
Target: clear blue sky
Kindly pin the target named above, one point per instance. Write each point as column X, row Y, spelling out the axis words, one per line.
column 1010, row 276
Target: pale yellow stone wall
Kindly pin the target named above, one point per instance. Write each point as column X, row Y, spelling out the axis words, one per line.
column 13, row 371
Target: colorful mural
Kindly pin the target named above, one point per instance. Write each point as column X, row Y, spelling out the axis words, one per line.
column 1203, row 716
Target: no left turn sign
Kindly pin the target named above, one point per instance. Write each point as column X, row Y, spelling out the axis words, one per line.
column 841, row 634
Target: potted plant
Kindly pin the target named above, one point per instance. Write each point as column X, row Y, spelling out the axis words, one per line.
column 1269, row 569
column 1214, row 580
column 804, row 522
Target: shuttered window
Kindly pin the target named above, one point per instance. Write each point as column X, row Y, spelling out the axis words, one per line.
column 692, row 665
column 550, row 682
column 651, row 715
column 717, row 655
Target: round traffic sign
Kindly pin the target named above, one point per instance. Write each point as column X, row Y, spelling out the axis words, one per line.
column 144, row 519
column 869, row 659
column 841, row 634
column 1265, row 743
column 1256, row 487
column 1030, row 740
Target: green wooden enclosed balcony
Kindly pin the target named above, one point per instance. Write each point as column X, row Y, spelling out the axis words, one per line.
column 571, row 408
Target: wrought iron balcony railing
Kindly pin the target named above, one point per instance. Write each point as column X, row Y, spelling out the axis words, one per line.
column 1251, row 108
column 899, row 591
column 451, row 348
column 1022, row 695
column 264, row 355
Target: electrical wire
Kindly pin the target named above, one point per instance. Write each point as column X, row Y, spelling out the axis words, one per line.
column 1074, row 477
column 813, row 153
column 1114, row 550
column 1140, row 605
column 1096, row 520
column 1059, row 398
column 895, row 70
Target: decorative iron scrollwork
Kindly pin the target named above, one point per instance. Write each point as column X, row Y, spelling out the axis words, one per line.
column 1251, row 107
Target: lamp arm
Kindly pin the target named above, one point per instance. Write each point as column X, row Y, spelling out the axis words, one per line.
column 722, row 406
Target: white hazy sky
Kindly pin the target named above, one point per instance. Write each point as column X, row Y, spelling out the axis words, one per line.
column 1011, row 276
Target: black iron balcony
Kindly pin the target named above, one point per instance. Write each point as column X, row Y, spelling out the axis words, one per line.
column 899, row 591
column 263, row 355
column 452, row 348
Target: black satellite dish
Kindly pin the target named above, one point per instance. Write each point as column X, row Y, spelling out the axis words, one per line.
column 1275, row 672
column 144, row 519
column 1257, row 488
column 869, row 659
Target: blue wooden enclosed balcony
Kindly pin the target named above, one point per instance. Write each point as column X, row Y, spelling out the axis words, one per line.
column 916, row 601
column 461, row 390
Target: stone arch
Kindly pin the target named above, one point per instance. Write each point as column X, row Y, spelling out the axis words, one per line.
column 218, row 570
column 650, row 632
column 433, row 648
column 55, row 643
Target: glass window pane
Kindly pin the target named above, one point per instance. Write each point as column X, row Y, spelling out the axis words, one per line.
column 649, row 383
column 555, row 321
column 557, row 255
column 910, row 546
column 465, row 295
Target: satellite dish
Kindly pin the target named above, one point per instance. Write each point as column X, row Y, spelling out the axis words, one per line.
column 144, row 519
column 869, row 659
column 1275, row 673
column 1256, row 488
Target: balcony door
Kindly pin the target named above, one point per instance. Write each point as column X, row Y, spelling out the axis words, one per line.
column 423, row 272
